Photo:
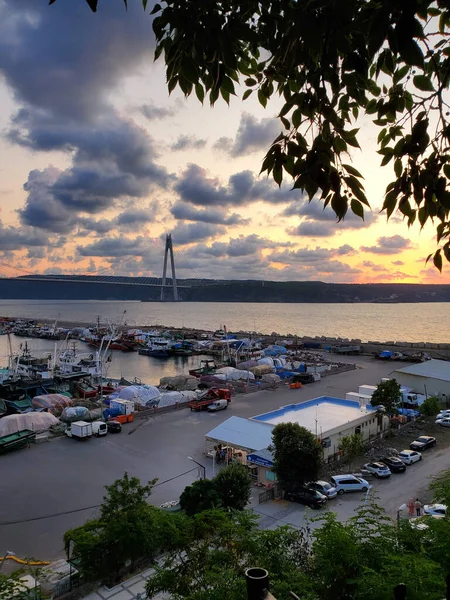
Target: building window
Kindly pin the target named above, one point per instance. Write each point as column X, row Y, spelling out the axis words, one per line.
column 270, row 475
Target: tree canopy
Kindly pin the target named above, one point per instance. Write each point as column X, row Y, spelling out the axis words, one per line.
column 297, row 455
column 388, row 395
column 330, row 63
column 351, row 447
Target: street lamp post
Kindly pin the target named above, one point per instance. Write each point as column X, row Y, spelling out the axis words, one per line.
column 200, row 465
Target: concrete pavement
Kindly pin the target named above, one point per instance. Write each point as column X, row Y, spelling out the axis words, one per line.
column 62, row 476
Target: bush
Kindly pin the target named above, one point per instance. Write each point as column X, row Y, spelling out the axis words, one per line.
column 431, row 406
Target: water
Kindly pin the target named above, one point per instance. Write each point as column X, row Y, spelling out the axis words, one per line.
column 422, row 322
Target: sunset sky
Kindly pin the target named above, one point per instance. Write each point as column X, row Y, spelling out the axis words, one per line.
column 98, row 163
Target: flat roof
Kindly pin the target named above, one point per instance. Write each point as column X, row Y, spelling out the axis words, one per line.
column 318, row 415
column 435, row 369
column 243, row 433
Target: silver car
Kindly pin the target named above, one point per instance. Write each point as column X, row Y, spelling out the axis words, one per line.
column 324, row 488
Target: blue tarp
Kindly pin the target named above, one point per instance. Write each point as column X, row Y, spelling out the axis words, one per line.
column 385, row 354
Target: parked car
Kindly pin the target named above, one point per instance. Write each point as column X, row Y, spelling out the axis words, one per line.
column 409, row 456
column 443, row 414
column 114, row 426
column 324, row 488
column 218, row 405
column 436, row 510
column 311, row 498
column 423, row 442
column 349, row 483
column 378, row 469
column 394, row 463
column 443, row 422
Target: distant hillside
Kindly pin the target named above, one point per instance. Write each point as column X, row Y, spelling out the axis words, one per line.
column 63, row 287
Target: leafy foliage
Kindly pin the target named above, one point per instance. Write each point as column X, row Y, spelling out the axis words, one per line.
column 229, row 489
column 233, row 486
column 127, row 531
column 297, row 455
column 10, row 587
column 440, row 486
column 431, row 406
column 388, row 395
column 351, row 447
column 330, row 62
column 200, row 496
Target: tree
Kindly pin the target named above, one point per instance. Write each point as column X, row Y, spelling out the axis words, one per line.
column 431, row 406
column 10, row 587
column 127, row 531
column 388, row 395
column 351, row 447
column 440, row 486
column 233, row 486
column 201, row 495
column 330, row 62
column 297, row 455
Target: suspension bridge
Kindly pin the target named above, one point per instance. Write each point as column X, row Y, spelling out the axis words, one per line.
column 168, row 284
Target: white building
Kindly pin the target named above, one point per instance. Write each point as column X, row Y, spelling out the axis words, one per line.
column 431, row 378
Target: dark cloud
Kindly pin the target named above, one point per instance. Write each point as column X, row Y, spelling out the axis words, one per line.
column 152, row 112
column 188, row 142
column 182, row 210
column 99, row 227
column 116, row 246
column 388, row 245
column 304, row 256
column 186, row 233
column 371, row 265
column 196, row 187
column 128, row 220
column 311, row 229
column 346, row 249
column 252, row 135
column 314, row 212
column 65, row 60
column 18, row 238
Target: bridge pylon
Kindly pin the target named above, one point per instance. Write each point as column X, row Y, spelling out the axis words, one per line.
column 168, row 250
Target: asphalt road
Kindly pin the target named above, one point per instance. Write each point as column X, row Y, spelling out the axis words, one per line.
column 66, row 475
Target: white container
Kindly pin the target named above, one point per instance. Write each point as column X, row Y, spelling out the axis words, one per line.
column 126, row 406
column 81, row 430
column 367, row 390
column 99, row 428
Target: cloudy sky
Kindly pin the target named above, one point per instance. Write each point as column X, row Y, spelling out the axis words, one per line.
column 98, row 163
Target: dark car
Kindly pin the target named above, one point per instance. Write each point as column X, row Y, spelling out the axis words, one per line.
column 423, row 443
column 114, row 427
column 395, row 464
column 311, row 498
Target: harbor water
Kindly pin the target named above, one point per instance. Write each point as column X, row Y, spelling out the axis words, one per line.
column 419, row 322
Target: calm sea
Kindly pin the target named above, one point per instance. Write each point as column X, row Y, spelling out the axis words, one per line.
column 423, row 322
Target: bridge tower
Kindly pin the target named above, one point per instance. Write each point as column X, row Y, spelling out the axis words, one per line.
column 168, row 250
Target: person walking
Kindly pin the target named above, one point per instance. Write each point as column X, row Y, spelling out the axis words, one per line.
column 411, row 507
column 418, row 506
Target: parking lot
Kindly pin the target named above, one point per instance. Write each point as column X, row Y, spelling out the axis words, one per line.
column 62, row 478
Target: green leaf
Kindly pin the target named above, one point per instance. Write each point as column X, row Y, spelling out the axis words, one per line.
column 246, row 94
column 228, row 86
column 437, row 260
column 352, row 171
column 411, row 53
column 225, row 95
column 424, row 83
column 278, row 174
column 285, row 122
column 172, row 84
column 199, row 92
column 154, row 10
column 188, row 69
column 297, row 117
column 339, row 144
column 261, row 97
column 398, row 167
column 250, row 81
column 357, row 208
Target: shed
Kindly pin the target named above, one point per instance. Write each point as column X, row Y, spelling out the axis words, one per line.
column 240, row 434
column 431, row 378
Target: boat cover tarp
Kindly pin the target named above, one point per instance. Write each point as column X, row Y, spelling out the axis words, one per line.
column 180, row 382
column 232, row 374
column 36, row 421
column 54, row 403
column 275, row 350
column 145, row 395
column 271, row 378
column 261, row 370
column 74, row 413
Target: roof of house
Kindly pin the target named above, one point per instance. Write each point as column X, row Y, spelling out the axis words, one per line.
column 242, row 433
column 434, row 369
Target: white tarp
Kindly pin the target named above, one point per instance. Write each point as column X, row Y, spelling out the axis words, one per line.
column 140, row 394
column 170, row 398
column 36, row 421
column 266, row 361
column 232, row 374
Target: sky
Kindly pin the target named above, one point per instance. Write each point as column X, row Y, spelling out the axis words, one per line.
column 98, row 163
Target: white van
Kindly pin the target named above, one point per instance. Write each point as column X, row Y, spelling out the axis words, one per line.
column 218, row 405
column 99, row 428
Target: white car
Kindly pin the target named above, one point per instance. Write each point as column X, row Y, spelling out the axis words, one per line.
column 378, row 469
column 324, row 488
column 436, row 510
column 349, row 483
column 443, row 414
column 409, row 456
column 443, row 422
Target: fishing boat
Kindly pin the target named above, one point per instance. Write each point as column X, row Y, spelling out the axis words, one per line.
column 72, row 362
column 158, row 347
column 31, row 367
column 15, row 441
column 207, row 367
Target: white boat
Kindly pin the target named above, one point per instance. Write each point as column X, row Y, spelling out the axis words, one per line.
column 159, row 347
column 72, row 362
